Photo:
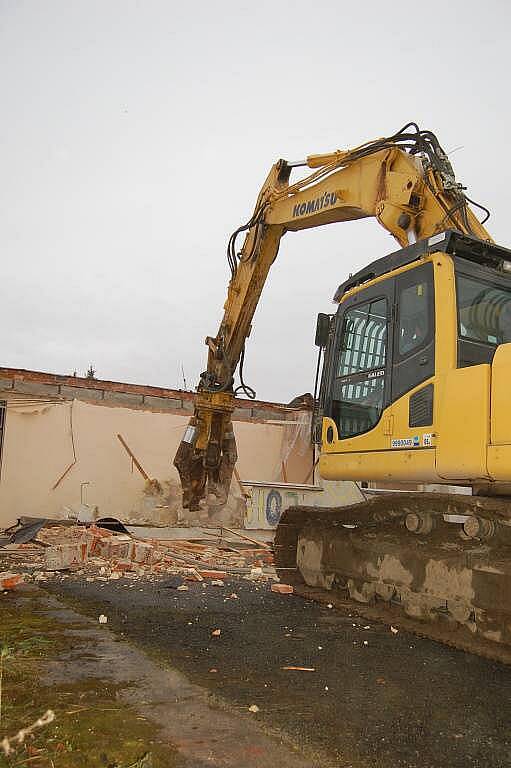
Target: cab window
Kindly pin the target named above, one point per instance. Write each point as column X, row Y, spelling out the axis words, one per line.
column 414, row 332
column 484, row 318
column 484, row 311
column 360, row 376
column 414, row 316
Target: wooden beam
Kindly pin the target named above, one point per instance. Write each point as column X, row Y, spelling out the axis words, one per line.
column 133, row 457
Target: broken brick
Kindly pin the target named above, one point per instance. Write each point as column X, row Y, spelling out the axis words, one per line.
column 141, row 551
column 282, row 589
column 194, row 575
column 10, row 580
column 61, row 556
column 212, row 574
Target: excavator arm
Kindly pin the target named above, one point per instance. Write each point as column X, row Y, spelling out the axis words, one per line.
column 404, row 181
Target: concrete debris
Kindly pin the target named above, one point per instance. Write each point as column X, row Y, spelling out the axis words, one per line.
column 62, row 556
column 253, row 708
column 93, row 553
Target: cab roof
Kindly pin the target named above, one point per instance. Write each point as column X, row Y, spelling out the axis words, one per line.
column 451, row 242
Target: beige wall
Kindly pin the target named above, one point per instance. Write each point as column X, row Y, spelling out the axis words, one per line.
column 38, row 449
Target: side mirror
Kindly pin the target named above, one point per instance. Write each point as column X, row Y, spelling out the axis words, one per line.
column 322, row 330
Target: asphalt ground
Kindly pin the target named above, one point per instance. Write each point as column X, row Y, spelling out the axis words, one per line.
column 375, row 698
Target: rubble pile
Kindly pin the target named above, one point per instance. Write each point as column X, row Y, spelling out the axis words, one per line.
column 99, row 554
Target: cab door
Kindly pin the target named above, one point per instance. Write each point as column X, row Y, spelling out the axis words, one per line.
column 413, row 362
column 361, row 368
column 414, row 330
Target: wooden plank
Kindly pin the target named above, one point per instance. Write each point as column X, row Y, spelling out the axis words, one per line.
column 133, row 457
column 247, row 538
column 243, row 490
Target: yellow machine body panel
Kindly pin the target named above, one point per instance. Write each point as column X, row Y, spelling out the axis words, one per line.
column 499, row 464
column 463, row 424
column 500, row 396
column 387, row 464
column 499, row 452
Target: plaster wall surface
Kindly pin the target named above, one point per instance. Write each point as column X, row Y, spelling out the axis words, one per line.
column 58, row 454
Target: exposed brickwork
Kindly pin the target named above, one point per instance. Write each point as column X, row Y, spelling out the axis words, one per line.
column 123, row 398
column 115, row 393
column 242, row 413
column 164, row 403
column 263, row 414
column 35, row 388
column 85, row 393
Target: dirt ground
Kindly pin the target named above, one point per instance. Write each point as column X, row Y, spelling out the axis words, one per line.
column 374, row 700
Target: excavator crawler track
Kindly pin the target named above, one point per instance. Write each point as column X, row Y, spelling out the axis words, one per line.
column 437, row 565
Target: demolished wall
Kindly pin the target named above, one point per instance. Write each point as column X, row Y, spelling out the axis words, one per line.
column 110, row 445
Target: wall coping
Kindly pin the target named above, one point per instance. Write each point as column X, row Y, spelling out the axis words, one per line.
column 20, row 375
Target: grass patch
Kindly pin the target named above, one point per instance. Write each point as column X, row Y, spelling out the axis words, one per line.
column 92, row 726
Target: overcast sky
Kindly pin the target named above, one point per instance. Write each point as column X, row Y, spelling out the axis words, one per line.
column 135, row 137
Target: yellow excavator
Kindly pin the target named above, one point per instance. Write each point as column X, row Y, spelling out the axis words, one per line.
column 415, row 388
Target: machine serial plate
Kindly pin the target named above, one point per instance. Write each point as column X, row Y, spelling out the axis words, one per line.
column 426, row 441
column 406, row 442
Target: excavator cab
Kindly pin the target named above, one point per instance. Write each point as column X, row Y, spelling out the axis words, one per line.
column 417, row 367
column 415, row 387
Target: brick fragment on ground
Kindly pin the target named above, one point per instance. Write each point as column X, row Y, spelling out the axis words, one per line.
column 61, row 556
column 282, row 589
column 10, row 580
column 97, row 554
column 212, row 574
